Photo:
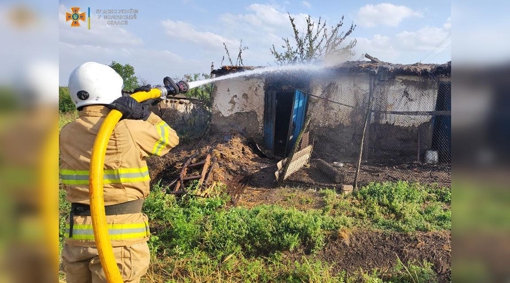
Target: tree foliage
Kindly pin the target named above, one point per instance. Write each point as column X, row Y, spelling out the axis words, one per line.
column 314, row 43
column 127, row 72
column 202, row 92
column 65, row 103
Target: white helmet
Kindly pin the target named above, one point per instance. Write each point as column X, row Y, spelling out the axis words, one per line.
column 94, row 83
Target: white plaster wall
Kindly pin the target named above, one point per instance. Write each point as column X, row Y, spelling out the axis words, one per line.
column 239, row 95
column 350, row 90
column 403, row 93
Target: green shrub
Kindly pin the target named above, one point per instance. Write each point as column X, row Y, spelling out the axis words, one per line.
column 65, row 103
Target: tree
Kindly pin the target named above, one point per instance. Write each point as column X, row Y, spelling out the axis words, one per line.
column 127, row 72
column 65, row 103
column 202, row 92
column 239, row 60
column 315, row 43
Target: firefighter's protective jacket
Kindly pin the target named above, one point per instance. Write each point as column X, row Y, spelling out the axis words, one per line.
column 126, row 176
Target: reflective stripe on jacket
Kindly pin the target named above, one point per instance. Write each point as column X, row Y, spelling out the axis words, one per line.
column 124, row 229
column 126, row 176
column 117, row 176
column 116, row 231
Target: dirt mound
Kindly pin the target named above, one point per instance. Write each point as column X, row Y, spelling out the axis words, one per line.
column 233, row 155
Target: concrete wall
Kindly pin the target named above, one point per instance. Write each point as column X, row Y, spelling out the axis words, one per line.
column 238, row 104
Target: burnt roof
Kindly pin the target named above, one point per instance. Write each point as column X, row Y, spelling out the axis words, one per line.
column 225, row 70
column 396, row 69
column 372, row 67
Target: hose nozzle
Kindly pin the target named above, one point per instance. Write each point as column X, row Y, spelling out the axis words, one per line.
column 183, row 86
column 175, row 88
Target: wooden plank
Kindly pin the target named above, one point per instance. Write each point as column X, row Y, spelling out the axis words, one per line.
column 183, row 173
column 298, row 154
column 191, row 178
column 294, row 149
column 297, row 164
column 299, row 159
column 207, row 162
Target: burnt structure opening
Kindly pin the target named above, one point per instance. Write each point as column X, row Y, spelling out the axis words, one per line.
column 284, row 102
column 284, row 111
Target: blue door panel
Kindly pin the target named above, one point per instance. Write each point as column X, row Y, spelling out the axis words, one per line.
column 298, row 117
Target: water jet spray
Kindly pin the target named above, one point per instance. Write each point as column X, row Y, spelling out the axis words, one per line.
column 261, row 71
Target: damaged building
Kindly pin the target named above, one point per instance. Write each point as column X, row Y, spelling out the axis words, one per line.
column 409, row 110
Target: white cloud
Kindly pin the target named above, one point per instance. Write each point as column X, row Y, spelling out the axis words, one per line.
column 265, row 17
column 187, row 33
column 379, row 46
column 448, row 24
column 384, row 14
column 428, row 43
column 306, row 4
column 424, row 39
column 261, row 26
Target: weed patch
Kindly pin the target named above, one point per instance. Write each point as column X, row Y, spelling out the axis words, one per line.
column 401, row 207
column 204, row 223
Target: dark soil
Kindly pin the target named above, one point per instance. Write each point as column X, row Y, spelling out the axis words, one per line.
column 412, row 172
column 365, row 251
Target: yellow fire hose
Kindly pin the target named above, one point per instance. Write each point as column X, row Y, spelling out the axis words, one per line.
column 97, row 210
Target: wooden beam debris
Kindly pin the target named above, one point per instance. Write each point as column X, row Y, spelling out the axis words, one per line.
column 330, row 171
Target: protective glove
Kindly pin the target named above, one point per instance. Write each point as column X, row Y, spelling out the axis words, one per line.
column 145, row 88
column 130, row 108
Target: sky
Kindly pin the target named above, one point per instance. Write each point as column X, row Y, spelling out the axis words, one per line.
column 187, row 36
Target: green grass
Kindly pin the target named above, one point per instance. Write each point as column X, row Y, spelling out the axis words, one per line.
column 198, row 239
column 400, row 207
column 205, row 223
column 67, row 117
column 200, row 267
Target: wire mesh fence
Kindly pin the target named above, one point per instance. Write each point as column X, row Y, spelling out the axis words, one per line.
column 408, row 129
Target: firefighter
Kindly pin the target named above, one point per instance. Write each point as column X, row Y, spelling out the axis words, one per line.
column 95, row 89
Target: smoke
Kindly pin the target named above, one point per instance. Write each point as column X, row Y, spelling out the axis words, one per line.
column 336, row 59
